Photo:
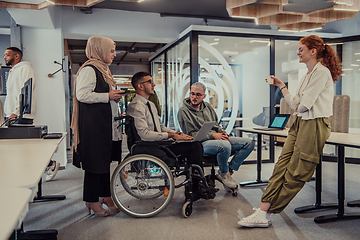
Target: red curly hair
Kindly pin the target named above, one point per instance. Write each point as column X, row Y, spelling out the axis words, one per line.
column 325, row 53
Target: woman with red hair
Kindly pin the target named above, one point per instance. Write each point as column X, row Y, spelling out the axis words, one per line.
column 306, row 138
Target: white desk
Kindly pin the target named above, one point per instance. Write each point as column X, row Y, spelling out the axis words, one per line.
column 13, row 210
column 340, row 140
column 23, row 162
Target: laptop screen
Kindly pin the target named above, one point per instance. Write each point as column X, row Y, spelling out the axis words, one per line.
column 279, row 121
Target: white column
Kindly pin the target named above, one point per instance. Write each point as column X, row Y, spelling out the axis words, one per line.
column 41, row 48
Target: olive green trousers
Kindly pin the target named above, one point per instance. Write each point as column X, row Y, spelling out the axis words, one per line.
column 297, row 162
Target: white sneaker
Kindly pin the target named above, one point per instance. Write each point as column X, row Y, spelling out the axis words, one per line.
column 227, row 180
column 259, row 218
column 53, row 169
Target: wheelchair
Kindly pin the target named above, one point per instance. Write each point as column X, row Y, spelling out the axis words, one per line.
column 142, row 185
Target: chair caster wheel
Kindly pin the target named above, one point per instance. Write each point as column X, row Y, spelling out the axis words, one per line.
column 234, row 194
column 187, row 209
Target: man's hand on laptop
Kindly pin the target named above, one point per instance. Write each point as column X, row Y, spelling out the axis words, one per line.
column 221, row 136
column 179, row 136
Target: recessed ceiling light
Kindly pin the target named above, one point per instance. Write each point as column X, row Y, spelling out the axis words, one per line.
column 259, row 41
column 285, row 30
column 287, row 43
column 342, row 3
column 354, row 65
column 255, row 19
column 346, row 10
column 216, row 39
column 214, row 43
column 311, row 29
column 347, row 69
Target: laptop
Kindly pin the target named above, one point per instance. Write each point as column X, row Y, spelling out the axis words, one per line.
column 203, row 132
column 278, row 122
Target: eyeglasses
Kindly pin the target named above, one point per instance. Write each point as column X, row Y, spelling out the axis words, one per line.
column 148, row 81
column 196, row 94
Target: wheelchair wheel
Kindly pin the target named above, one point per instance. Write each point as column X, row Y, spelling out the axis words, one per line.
column 187, row 209
column 142, row 185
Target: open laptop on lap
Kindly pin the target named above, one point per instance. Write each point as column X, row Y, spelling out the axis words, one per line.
column 203, row 132
column 278, row 122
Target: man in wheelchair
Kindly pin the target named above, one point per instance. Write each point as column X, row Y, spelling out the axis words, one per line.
column 149, row 128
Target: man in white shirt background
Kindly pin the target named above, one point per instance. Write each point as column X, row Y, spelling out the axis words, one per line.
column 19, row 73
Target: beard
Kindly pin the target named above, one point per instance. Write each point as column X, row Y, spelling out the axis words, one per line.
column 9, row 63
column 195, row 105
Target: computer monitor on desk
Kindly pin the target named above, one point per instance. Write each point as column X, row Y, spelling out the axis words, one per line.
column 25, row 101
column 26, row 95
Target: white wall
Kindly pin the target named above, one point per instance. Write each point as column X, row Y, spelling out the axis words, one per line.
column 41, row 48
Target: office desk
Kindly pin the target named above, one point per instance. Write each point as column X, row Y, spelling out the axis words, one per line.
column 282, row 133
column 13, row 210
column 340, row 140
column 23, row 162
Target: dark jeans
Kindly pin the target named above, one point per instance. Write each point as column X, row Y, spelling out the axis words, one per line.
column 95, row 186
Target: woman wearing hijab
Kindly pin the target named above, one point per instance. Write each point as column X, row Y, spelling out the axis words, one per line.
column 313, row 104
column 95, row 132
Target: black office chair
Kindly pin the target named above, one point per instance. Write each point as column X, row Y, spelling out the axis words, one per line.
column 142, row 185
column 263, row 120
column 211, row 160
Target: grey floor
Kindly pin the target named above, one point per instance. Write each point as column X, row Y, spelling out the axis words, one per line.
column 211, row 219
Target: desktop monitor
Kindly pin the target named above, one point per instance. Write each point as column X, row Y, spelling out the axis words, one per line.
column 25, row 98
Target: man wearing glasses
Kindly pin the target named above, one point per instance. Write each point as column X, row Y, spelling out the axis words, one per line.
column 150, row 128
column 193, row 114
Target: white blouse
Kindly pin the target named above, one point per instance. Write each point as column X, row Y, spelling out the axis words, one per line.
column 85, row 85
column 315, row 92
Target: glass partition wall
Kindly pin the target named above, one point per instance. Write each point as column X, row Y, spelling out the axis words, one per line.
column 178, row 80
column 234, row 67
column 349, row 85
column 229, row 68
column 158, row 74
